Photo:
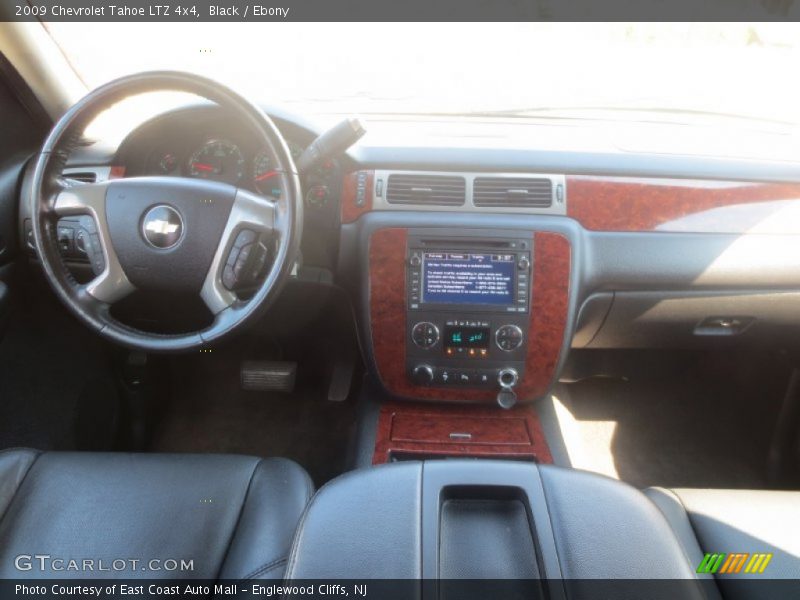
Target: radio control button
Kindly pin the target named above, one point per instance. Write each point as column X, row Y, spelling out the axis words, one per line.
column 485, row 378
column 445, row 376
column 422, row 375
column 507, row 378
column 508, row 337
column 415, row 260
column 464, row 377
column 524, row 263
column 425, row 334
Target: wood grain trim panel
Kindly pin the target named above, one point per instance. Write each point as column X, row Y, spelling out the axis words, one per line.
column 552, row 263
column 549, row 313
column 683, row 205
column 498, row 431
column 350, row 211
column 487, row 430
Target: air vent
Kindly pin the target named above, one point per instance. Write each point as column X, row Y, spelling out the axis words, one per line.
column 439, row 190
column 513, row 192
column 86, row 177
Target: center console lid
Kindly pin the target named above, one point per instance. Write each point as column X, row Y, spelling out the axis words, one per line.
column 556, row 529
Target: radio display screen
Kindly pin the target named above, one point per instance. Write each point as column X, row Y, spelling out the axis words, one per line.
column 468, row 278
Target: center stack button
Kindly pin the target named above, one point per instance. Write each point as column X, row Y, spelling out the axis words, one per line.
column 425, row 334
column 508, row 338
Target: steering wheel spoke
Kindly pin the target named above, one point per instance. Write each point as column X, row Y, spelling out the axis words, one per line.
column 244, row 250
column 81, row 199
column 110, row 284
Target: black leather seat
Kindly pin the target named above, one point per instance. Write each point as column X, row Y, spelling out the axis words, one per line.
column 233, row 517
column 736, row 521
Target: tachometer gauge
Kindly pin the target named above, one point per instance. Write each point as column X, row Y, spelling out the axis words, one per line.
column 265, row 177
column 219, row 160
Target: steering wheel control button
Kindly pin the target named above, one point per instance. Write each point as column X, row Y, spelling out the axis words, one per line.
column 246, row 261
column 162, row 227
column 508, row 338
column 244, row 237
column 82, row 242
column 97, row 260
column 65, row 237
column 425, row 334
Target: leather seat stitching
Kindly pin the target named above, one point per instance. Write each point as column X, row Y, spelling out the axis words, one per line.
column 299, row 530
column 239, row 517
column 266, row 568
column 37, row 454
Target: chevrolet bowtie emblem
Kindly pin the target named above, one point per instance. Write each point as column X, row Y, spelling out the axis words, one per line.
column 162, row 227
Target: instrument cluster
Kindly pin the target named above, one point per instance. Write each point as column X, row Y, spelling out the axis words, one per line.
column 225, row 159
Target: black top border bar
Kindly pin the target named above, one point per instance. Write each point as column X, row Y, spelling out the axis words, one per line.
column 150, row 11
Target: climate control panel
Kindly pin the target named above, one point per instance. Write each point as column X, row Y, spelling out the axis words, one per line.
column 466, row 351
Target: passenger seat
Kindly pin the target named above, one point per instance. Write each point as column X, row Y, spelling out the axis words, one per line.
column 736, row 521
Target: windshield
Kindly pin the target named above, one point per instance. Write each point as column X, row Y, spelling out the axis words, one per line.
column 638, row 71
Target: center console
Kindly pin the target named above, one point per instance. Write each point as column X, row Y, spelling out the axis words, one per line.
column 468, row 305
column 471, row 529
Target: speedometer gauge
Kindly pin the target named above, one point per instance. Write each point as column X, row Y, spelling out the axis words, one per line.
column 265, row 176
column 219, row 160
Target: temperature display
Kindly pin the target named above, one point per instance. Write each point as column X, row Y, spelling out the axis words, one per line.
column 466, row 337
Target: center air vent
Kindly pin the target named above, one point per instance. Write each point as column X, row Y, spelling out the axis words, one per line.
column 512, row 192
column 438, row 190
column 85, row 177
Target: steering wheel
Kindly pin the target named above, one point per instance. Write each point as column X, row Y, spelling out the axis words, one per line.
column 168, row 235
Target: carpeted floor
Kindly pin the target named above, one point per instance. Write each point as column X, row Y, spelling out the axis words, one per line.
column 208, row 412
column 701, row 423
column 56, row 387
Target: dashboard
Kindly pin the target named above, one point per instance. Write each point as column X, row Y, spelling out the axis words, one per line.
column 466, row 256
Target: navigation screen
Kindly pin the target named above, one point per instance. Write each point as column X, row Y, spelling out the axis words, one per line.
column 459, row 278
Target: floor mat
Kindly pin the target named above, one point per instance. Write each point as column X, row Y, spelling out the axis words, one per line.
column 701, row 425
column 56, row 386
column 208, row 412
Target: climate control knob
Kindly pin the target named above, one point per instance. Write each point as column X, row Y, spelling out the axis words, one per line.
column 508, row 337
column 425, row 334
column 422, row 375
